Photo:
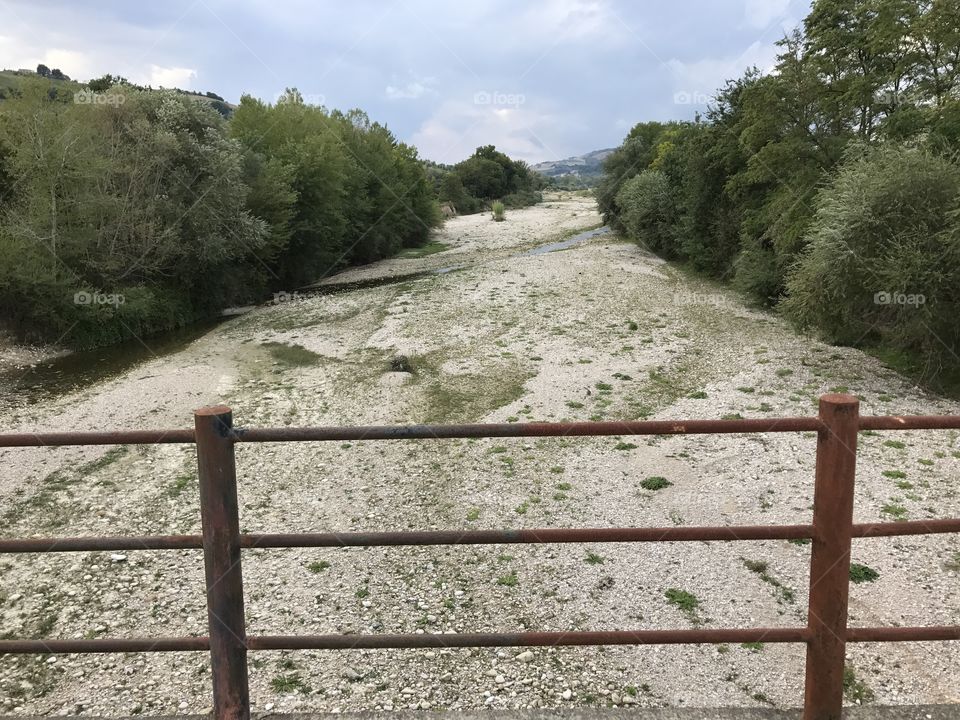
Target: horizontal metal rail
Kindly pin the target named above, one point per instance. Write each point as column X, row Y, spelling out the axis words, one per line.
column 520, row 430
column 94, row 544
column 724, row 533
column 104, row 645
column 468, row 640
column 119, row 437
column 831, row 531
column 496, row 430
column 906, row 527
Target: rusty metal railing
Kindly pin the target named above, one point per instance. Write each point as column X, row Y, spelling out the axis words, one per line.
column 831, row 530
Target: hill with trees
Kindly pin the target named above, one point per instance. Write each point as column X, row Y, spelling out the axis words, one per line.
column 577, row 172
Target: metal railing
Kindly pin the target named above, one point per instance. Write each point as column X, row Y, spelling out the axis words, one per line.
column 831, row 531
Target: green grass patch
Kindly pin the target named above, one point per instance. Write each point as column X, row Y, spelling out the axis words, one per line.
column 862, row 573
column 292, row 355
column 685, row 602
column 431, row 248
column 894, row 510
column 855, row 689
column 655, row 482
column 468, row 398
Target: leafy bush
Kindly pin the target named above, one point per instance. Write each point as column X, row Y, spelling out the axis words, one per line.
column 523, row 198
column 104, row 203
column 883, row 264
column 648, row 211
column 158, row 204
column 488, row 175
column 633, row 156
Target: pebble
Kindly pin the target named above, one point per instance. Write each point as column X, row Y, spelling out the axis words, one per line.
column 566, row 694
column 525, row 657
column 350, row 674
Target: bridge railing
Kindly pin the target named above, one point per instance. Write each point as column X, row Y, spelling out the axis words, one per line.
column 831, row 530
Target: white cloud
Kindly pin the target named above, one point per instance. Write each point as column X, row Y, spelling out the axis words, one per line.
column 570, row 20
column 21, row 55
column 171, row 77
column 695, row 83
column 412, row 90
column 762, row 13
column 460, row 127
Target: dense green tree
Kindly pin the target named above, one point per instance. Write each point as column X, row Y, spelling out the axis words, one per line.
column 489, row 175
column 105, row 197
column 630, row 159
column 883, row 263
column 358, row 194
column 650, row 211
column 739, row 196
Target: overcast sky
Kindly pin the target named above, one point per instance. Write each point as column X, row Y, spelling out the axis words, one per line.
column 541, row 80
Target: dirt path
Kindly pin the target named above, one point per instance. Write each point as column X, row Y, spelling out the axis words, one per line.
column 602, row 330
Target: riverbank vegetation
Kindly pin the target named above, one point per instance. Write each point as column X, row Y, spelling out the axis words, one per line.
column 829, row 188
column 127, row 211
column 488, row 175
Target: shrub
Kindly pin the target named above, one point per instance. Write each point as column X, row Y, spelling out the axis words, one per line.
column 522, row 199
column 498, row 211
column 883, row 264
column 648, row 211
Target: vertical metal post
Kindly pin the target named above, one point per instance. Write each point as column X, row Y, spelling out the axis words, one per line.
column 221, row 556
column 830, row 556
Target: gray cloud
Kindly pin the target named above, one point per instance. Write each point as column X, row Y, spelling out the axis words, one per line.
column 541, row 80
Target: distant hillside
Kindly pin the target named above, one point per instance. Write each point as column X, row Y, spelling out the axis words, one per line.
column 586, row 169
column 10, row 85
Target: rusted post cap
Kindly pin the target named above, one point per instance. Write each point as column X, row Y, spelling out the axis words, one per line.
column 212, row 411
column 839, row 399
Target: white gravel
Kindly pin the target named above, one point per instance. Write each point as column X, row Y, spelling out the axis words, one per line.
column 601, row 330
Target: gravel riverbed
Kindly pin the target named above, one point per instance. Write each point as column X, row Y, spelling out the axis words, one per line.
column 602, row 330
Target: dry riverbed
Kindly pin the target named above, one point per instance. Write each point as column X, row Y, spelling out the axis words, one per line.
column 602, row 330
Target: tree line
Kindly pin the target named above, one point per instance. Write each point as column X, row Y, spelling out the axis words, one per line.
column 126, row 211
column 829, row 187
column 487, row 175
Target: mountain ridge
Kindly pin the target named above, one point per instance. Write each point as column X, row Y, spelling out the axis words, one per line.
column 588, row 166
